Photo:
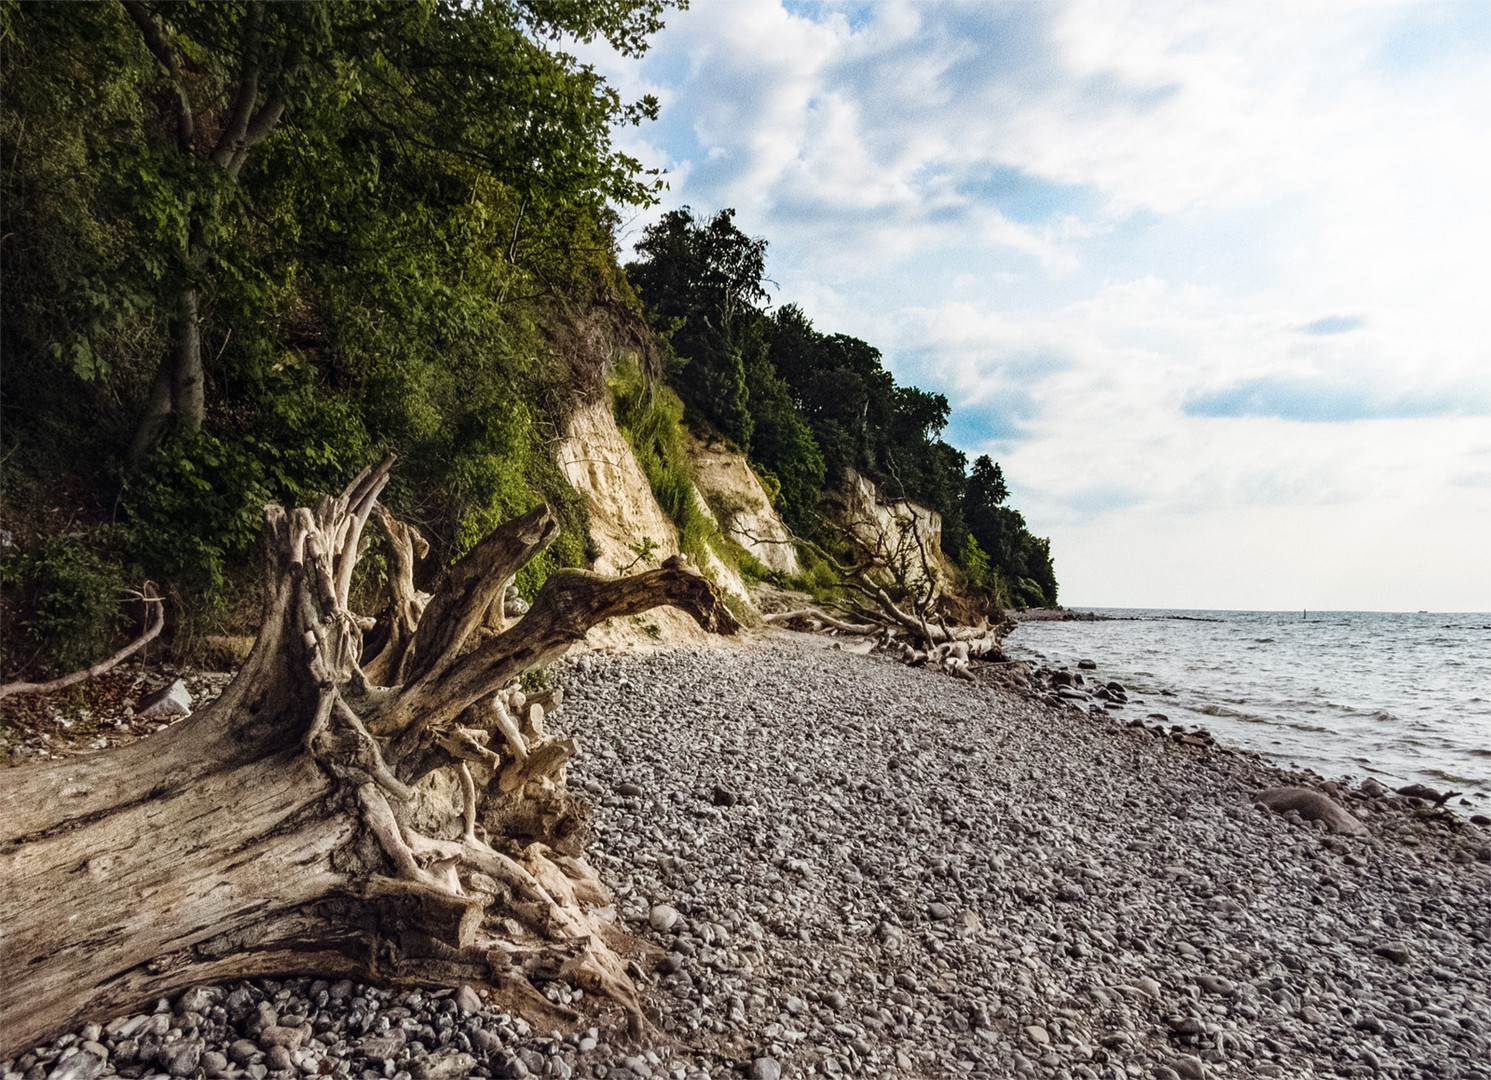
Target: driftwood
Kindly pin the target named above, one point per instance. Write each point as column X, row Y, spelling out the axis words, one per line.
column 384, row 646
column 312, row 820
column 147, row 595
column 893, row 584
column 1428, row 794
column 894, row 588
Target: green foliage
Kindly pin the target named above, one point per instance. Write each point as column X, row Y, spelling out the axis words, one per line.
column 700, row 279
column 645, row 551
column 783, row 446
column 72, row 589
column 199, row 502
column 808, row 406
column 650, row 416
column 1023, row 561
column 536, row 681
column 384, row 272
column 817, row 576
column 974, row 563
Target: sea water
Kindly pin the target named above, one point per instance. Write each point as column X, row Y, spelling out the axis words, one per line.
column 1403, row 697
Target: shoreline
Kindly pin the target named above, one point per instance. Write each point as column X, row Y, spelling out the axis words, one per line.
column 1073, row 841
column 842, row 866
column 1389, row 697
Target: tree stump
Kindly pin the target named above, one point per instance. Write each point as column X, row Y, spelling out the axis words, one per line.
column 312, row 821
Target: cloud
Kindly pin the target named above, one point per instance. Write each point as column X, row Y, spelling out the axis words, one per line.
column 1094, row 502
column 1178, row 250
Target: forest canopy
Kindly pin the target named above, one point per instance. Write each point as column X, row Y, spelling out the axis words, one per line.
column 249, row 247
column 807, row 406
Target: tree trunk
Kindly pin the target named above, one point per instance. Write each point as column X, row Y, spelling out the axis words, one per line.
column 188, row 393
column 310, row 821
column 179, row 384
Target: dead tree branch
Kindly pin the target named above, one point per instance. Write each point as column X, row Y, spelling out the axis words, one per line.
column 146, row 595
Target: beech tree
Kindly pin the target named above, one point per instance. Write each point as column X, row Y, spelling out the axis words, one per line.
column 395, row 223
column 473, row 80
column 308, row 819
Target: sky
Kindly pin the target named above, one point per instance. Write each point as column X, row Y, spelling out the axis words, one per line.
column 1209, row 280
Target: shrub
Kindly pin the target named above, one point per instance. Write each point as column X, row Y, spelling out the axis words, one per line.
column 650, row 417
column 68, row 597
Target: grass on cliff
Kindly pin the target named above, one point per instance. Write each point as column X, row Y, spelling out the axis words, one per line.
column 650, row 417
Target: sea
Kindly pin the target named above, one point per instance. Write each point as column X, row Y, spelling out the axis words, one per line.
column 1404, row 697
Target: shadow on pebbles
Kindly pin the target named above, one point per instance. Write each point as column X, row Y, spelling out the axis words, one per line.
column 842, row 866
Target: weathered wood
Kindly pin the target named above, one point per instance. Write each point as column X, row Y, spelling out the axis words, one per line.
column 385, row 646
column 148, row 596
column 310, row 820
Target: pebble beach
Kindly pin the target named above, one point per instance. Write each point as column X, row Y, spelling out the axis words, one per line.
column 840, row 866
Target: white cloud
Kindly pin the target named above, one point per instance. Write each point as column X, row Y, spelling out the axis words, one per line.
column 1080, row 220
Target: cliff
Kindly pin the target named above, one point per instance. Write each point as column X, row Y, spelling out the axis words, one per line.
column 629, row 530
column 739, row 504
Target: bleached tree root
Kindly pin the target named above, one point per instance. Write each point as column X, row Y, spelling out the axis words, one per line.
column 953, row 651
column 386, row 644
column 895, row 581
column 313, row 820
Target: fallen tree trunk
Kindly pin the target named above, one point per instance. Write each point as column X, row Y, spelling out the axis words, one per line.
column 310, row 821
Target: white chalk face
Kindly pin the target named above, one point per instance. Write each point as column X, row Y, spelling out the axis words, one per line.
column 1208, row 279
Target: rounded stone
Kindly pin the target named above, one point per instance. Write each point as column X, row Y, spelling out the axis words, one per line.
column 663, row 918
column 765, row 1068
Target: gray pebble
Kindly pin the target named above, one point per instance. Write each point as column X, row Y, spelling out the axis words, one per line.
column 664, row 918
column 1188, row 1067
column 766, row 1068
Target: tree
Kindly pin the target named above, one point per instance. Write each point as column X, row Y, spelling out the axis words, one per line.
column 217, row 83
column 259, row 64
column 986, row 486
column 418, row 257
column 701, row 281
column 415, row 834
column 782, row 443
column 1022, row 561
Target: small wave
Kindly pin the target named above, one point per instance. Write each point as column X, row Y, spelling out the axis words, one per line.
column 1264, row 640
column 1312, row 727
column 1237, row 714
column 1479, row 753
column 1452, row 778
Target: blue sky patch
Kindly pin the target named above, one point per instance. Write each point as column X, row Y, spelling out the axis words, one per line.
column 1430, row 36
column 1334, row 324
column 857, row 14
column 1028, row 199
column 1320, row 401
